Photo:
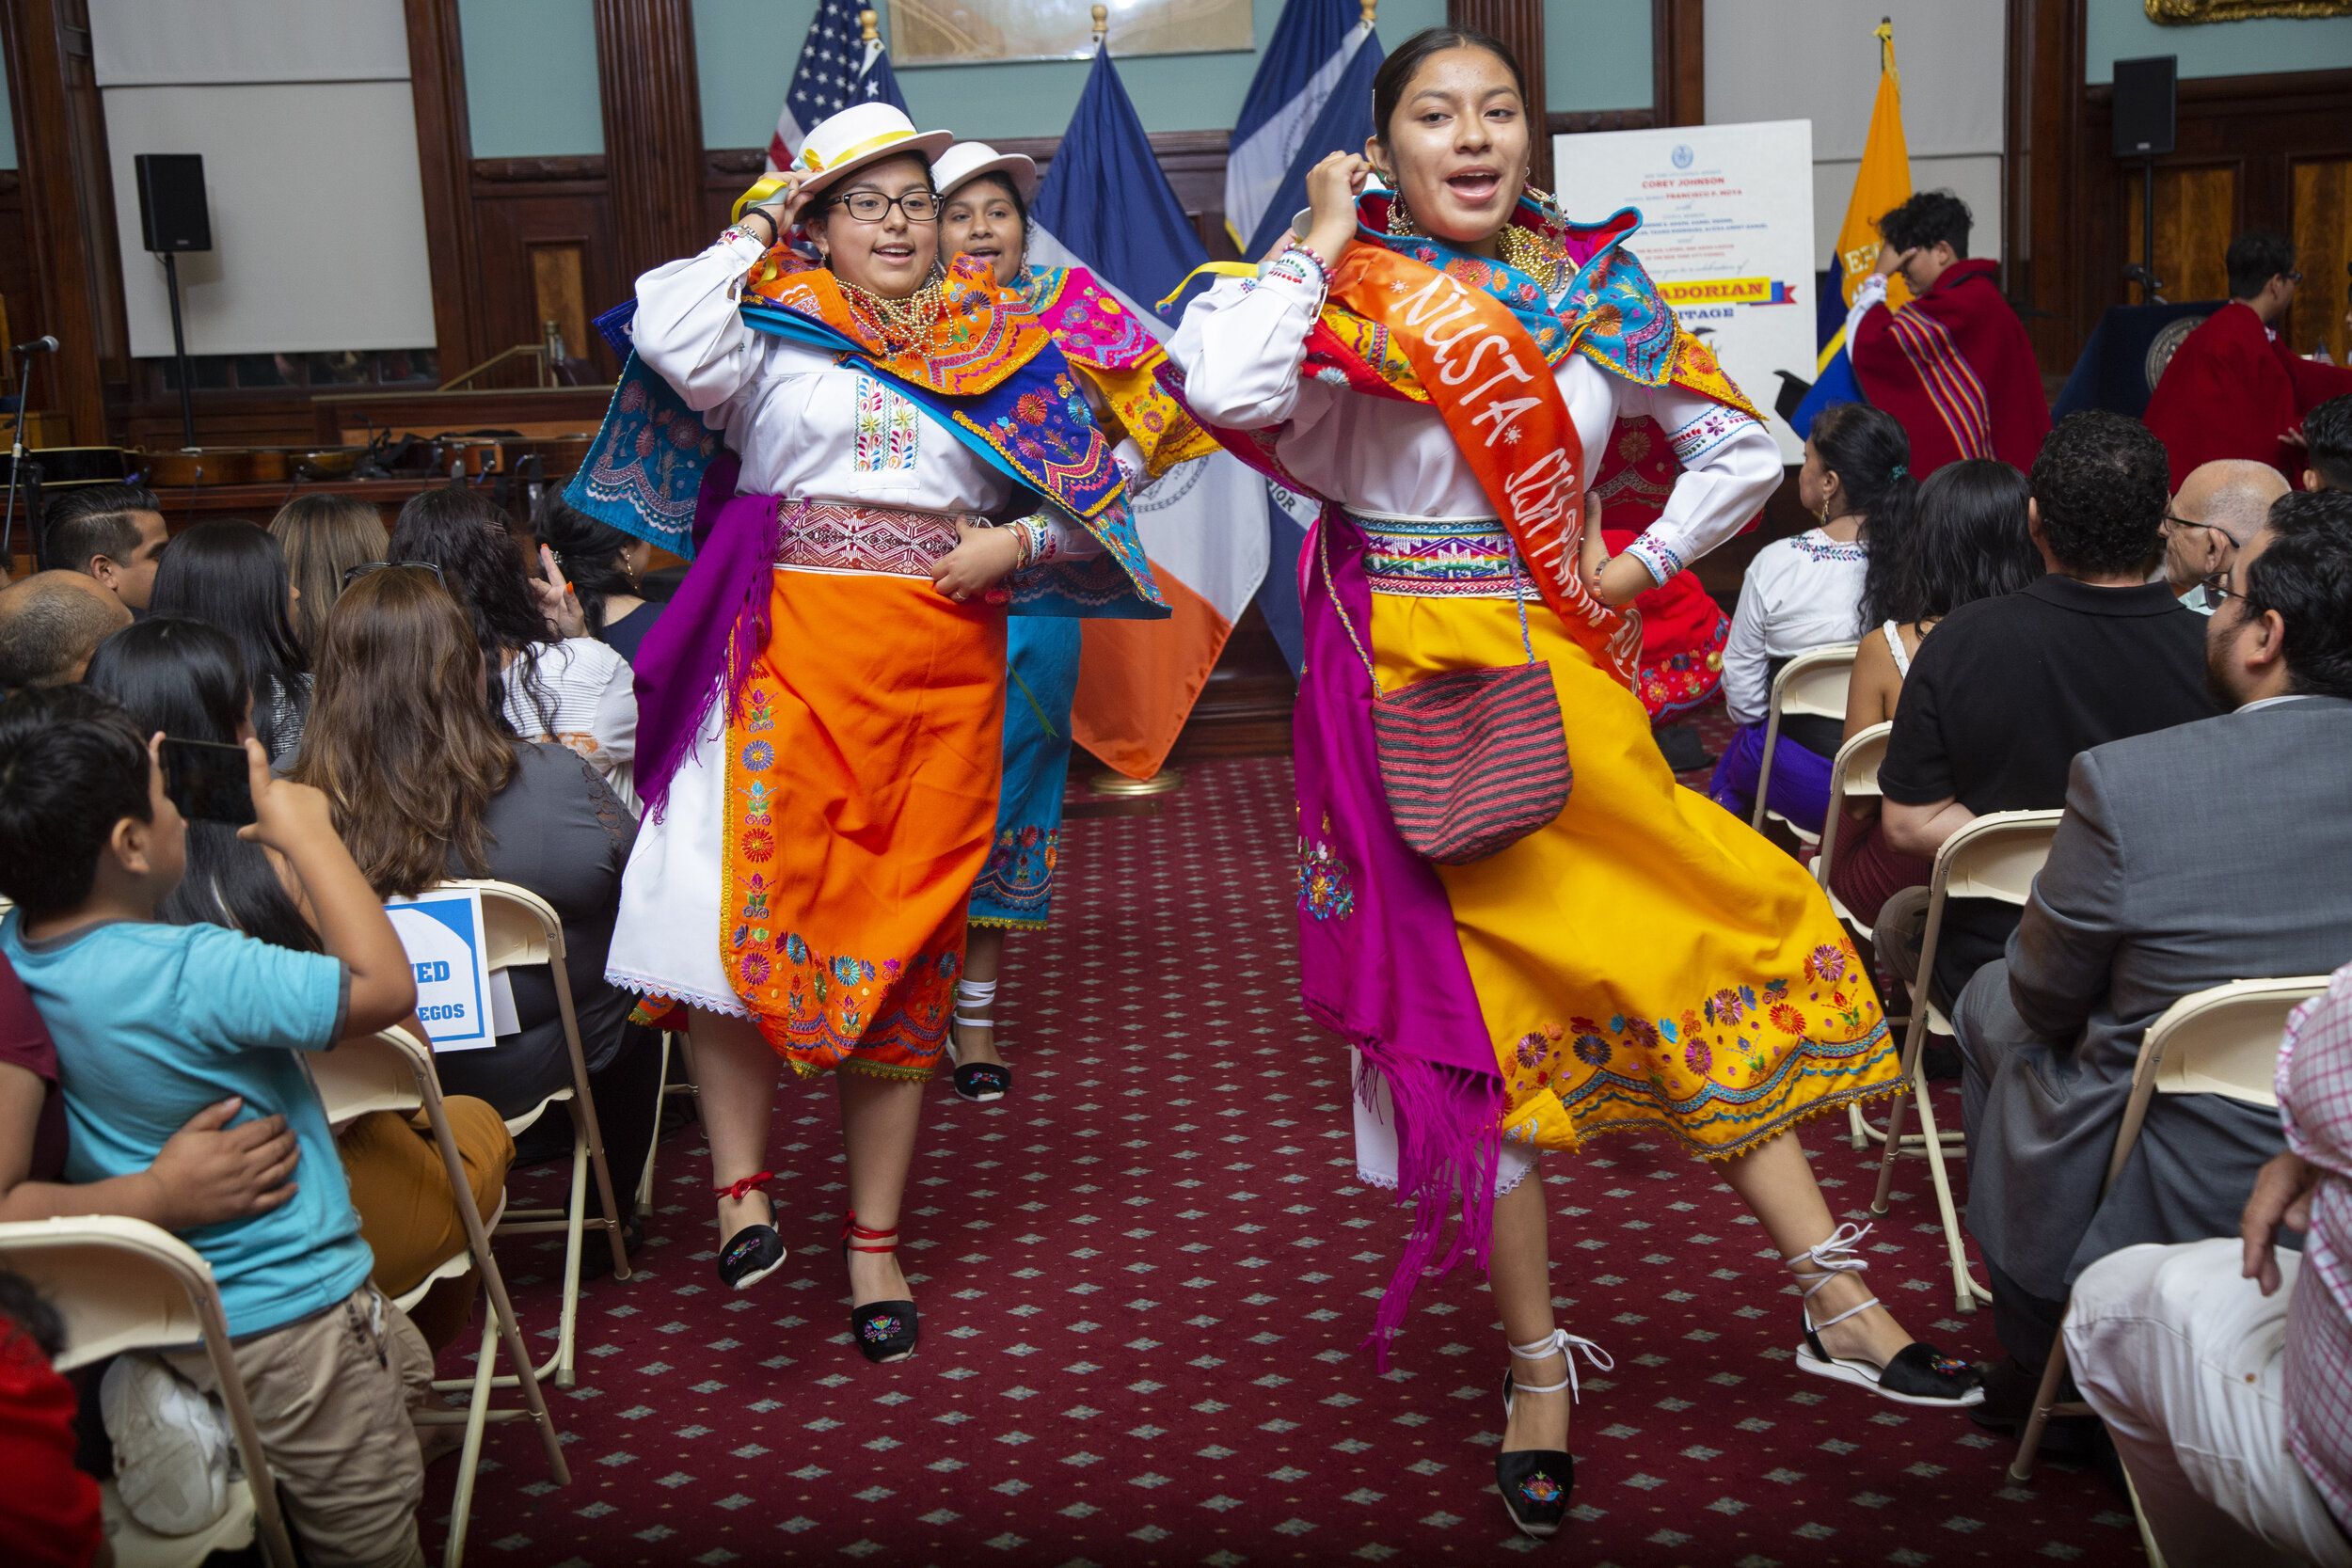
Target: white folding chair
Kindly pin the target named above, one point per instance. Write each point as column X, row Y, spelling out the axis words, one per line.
column 1812, row 683
column 124, row 1285
column 1994, row 856
column 390, row 1072
column 684, row 1045
column 1855, row 772
column 2223, row 1040
column 522, row 928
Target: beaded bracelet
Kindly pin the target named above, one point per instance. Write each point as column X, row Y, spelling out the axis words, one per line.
column 1301, row 267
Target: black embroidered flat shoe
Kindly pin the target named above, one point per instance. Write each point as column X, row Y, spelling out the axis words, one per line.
column 1916, row 1374
column 982, row 1082
column 1535, row 1484
column 886, row 1331
column 755, row 1251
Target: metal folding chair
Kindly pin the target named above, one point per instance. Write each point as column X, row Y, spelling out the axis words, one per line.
column 2223, row 1040
column 522, row 928
column 390, row 1072
column 1812, row 683
column 1995, row 856
column 124, row 1285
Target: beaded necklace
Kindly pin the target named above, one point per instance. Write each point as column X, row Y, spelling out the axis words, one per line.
column 898, row 325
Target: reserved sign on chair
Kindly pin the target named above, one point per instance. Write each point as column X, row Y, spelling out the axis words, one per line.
column 463, row 1005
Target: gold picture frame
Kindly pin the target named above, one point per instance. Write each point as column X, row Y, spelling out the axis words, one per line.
column 964, row 32
column 2181, row 13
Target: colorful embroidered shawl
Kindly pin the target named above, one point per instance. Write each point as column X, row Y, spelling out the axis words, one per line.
column 1110, row 346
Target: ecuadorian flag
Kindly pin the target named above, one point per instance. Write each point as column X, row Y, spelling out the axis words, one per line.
column 1882, row 183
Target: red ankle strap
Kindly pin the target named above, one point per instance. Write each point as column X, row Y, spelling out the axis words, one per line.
column 736, row 1191
column 853, row 1233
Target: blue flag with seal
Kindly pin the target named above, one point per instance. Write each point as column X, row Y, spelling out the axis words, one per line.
column 1313, row 45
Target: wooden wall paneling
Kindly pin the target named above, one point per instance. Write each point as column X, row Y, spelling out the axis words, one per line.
column 653, row 130
column 2196, row 214
column 2262, row 127
column 67, row 206
column 1518, row 24
column 1678, row 61
column 2043, row 178
column 19, row 279
column 542, row 223
column 2323, row 246
column 436, row 83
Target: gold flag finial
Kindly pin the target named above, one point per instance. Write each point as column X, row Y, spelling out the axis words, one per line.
column 1369, row 6
column 1102, row 24
column 1885, row 33
column 866, row 22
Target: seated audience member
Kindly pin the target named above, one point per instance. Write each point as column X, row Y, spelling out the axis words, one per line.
column 605, row 568
column 49, row 623
column 154, row 1023
column 232, row 575
column 2327, row 446
column 1968, row 541
column 50, row 1514
column 426, row 787
column 2226, row 1398
column 184, row 677
column 2005, row 693
column 2149, row 895
column 1805, row 593
column 2234, row 387
column 548, row 679
column 324, row 537
column 2219, row 507
column 113, row 534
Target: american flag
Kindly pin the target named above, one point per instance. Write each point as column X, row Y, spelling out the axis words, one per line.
column 835, row 69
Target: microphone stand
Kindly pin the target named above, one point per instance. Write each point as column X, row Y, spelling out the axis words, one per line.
column 16, row 466
column 180, row 349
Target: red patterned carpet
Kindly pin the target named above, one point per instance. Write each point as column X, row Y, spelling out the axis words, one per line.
column 1144, row 1280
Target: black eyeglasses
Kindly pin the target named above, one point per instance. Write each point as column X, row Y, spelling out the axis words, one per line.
column 2218, row 589
column 872, row 206
column 366, row 566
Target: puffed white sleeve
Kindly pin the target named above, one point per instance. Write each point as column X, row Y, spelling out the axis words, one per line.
column 1747, row 691
column 1239, row 346
column 1730, row 467
column 1873, row 292
column 687, row 325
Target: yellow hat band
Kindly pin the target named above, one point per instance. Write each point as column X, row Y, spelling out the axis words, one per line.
column 810, row 159
column 762, row 188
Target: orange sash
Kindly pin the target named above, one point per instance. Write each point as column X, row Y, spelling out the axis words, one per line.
column 1491, row 385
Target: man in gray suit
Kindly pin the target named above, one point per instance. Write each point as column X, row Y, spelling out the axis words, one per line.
column 2211, row 852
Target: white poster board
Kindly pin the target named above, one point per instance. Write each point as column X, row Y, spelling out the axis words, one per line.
column 1726, row 233
column 458, row 1000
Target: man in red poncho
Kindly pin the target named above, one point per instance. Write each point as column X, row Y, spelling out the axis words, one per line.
column 1954, row 365
column 2234, row 387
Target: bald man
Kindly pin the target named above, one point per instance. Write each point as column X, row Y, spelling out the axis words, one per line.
column 2220, row 505
column 49, row 623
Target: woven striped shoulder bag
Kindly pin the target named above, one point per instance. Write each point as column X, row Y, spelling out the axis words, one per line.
column 1473, row 760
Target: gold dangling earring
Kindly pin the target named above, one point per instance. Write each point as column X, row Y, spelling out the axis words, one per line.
column 1400, row 217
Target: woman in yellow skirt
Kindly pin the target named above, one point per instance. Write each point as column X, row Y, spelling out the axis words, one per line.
column 1642, row 961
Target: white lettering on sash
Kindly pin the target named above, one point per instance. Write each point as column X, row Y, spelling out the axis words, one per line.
column 1418, row 304
column 1505, row 413
column 1454, row 376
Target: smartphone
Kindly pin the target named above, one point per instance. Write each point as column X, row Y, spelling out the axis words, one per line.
column 208, row 782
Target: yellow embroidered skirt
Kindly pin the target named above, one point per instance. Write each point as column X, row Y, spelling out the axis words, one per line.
column 1646, row 962
column 861, row 777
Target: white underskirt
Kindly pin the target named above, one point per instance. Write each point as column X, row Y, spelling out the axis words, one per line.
column 1376, row 1139
column 666, row 937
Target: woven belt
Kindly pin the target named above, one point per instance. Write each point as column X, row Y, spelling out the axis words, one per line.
column 850, row 537
column 1447, row 557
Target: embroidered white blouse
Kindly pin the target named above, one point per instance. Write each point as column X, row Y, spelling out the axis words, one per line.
column 1239, row 347
column 1801, row 593
column 803, row 425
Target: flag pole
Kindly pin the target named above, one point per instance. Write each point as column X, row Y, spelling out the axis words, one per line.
column 1102, row 24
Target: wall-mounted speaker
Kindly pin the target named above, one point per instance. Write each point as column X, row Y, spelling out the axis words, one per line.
column 2143, row 106
column 172, row 212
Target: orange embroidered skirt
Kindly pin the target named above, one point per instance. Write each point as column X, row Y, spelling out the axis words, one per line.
column 862, row 773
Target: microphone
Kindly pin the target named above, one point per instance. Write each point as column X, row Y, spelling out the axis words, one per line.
column 43, row 344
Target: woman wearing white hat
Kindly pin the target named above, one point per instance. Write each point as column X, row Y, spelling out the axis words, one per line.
column 985, row 216
column 906, row 457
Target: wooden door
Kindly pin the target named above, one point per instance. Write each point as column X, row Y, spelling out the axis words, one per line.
column 2323, row 249
column 2196, row 214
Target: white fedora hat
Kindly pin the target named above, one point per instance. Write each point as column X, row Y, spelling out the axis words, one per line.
column 861, row 134
column 968, row 160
